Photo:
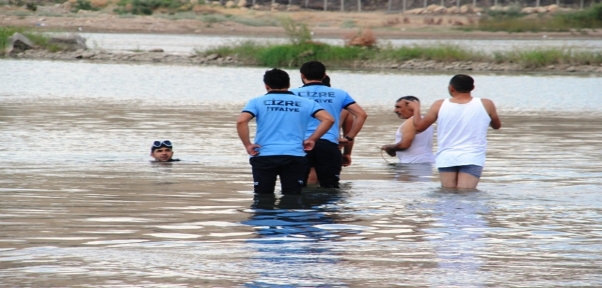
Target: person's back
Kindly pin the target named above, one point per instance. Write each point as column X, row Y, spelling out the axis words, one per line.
column 462, row 124
column 462, row 133
column 326, row 157
column 333, row 100
column 282, row 119
column 280, row 143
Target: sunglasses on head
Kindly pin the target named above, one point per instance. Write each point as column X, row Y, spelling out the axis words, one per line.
column 165, row 143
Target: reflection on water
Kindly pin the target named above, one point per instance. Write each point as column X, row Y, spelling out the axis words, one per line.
column 288, row 227
column 417, row 172
column 82, row 206
column 457, row 236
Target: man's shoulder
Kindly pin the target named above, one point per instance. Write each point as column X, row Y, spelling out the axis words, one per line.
column 318, row 88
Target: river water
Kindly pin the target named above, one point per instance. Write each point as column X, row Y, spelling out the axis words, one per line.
column 81, row 206
column 186, row 44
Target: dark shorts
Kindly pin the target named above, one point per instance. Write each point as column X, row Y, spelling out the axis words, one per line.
column 290, row 169
column 326, row 158
column 474, row 170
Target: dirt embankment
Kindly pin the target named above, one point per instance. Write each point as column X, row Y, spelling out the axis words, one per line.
column 322, row 24
column 250, row 22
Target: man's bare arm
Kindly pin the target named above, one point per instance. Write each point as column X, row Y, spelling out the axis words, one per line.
column 422, row 123
column 358, row 121
column 496, row 123
column 346, row 123
column 408, row 132
column 242, row 127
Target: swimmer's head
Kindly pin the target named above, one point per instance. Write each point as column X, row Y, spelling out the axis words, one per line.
column 162, row 151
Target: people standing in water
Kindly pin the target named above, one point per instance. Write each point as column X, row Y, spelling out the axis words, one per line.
column 281, row 139
column 162, row 151
column 462, row 124
column 326, row 157
column 410, row 146
column 345, row 123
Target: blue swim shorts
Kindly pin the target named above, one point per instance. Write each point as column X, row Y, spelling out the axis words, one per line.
column 474, row 170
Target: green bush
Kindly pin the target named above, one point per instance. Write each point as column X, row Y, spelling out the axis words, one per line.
column 513, row 11
column 31, row 6
column 83, row 5
column 589, row 18
column 147, row 7
column 513, row 21
column 297, row 33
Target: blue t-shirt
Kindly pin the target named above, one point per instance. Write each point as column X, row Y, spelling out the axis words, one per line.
column 282, row 121
column 332, row 100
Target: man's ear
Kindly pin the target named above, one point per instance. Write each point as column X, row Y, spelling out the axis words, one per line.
column 267, row 88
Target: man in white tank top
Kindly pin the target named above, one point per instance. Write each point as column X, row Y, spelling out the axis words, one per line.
column 462, row 124
column 410, row 146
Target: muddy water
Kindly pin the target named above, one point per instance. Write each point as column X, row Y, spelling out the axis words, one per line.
column 82, row 206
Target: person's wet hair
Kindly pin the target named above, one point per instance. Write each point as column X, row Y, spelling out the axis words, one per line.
column 276, row 79
column 313, row 70
column 462, row 83
column 408, row 98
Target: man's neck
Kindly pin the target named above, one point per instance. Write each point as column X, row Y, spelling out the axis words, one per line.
column 461, row 98
column 312, row 81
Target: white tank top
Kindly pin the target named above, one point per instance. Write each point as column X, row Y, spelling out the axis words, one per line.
column 421, row 150
column 462, row 133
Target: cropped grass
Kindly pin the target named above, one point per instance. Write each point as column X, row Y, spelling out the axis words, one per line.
column 518, row 25
column 535, row 58
column 439, row 53
column 255, row 22
column 293, row 55
column 588, row 18
column 515, row 22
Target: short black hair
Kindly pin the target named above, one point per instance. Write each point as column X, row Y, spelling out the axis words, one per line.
column 313, row 70
column 276, row 79
column 462, row 83
column 326, row 81
column 408, row 98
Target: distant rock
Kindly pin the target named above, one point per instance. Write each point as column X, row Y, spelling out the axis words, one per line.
column 18, row 43
column 69, row 42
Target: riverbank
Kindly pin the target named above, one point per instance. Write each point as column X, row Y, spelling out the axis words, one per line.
column 216, row 59
column 325, row 24
column 213, row 20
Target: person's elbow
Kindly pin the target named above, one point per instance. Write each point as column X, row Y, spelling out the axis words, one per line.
column 240, row 123
column 420, row 128
column 328, row 120
column 496, row 125
column 362, row 115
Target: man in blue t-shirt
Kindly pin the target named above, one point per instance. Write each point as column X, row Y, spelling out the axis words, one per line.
column 326, row 158
column 280, row 141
